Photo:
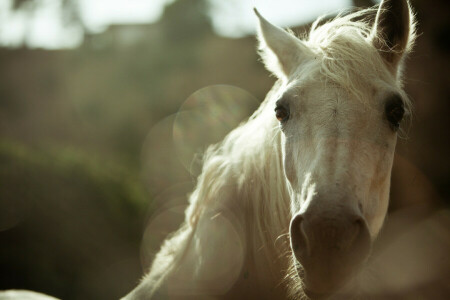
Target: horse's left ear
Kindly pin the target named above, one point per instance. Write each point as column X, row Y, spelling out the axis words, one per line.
column 281, row 51
column 393, row 31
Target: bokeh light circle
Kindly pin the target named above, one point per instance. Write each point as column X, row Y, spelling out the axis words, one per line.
column 206, row 117
column 164, row 217
column 160, row 166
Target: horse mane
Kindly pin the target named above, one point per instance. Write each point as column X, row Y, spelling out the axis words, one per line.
column 248, row 160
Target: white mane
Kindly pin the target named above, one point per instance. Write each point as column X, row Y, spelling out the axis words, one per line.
column 250, row 156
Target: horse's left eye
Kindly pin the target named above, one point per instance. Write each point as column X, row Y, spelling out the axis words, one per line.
column 394, row 112
column 282, row 113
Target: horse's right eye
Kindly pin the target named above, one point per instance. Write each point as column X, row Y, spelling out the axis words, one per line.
column 394, row 110
column 282, row 113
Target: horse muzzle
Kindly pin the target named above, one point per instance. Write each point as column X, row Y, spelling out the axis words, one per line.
column 330, row 246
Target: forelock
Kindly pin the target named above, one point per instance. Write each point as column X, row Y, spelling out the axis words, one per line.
column 343, row 47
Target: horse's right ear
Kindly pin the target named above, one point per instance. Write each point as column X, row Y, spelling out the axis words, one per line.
column 281, row 51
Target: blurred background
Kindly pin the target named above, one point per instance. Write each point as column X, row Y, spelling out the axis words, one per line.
column 106, row 106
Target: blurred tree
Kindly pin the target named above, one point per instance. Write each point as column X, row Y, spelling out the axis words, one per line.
column 21, row 3
column 29, row 7
column 364, row 3
column 70, row 14
column 186, row 20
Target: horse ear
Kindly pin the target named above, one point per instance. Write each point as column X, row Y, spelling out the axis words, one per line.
column 393, row 31
column 280, row 51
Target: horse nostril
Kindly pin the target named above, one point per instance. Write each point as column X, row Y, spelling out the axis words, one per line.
column 359, row 221
column 299, row 241
column 361, row 243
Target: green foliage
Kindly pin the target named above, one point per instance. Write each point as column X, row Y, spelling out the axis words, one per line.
column 186, row 21
column 120, row 185
column 68, row 220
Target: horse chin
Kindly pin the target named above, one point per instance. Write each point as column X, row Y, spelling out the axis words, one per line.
column 314, row 293
column 319, row 292
column 316, row 296
column 326, row 286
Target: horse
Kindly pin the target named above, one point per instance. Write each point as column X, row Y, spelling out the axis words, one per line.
column 290, row 203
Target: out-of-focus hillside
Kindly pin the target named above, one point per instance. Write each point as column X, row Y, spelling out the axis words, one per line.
column 76, row 129
column 78, row 126
column 107, row 99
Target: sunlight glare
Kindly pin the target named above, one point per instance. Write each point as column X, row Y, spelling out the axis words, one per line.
column 205, row 118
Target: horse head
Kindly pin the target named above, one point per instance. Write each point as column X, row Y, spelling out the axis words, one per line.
column 339, row 109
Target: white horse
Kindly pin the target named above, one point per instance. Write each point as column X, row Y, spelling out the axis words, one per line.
column 289, row 204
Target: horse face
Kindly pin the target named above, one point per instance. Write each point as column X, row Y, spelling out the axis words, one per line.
column 338, row 155
column 338, row 151
column 339, row 108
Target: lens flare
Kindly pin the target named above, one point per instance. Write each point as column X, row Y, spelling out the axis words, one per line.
column 169, row 214
column 215, row 263
column 205, row 118
column 160, row 168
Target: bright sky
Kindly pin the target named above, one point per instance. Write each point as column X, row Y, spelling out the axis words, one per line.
column 233, row 18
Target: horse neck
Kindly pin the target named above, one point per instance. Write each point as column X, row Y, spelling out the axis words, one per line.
column 244, row 177
column 262, row 190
